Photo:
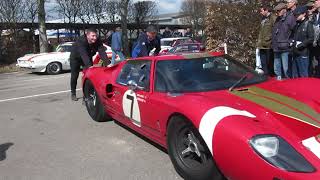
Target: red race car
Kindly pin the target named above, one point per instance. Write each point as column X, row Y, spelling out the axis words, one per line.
column 217, row 118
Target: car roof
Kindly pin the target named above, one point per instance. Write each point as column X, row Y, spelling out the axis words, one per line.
column 175, row 38
column 191, row 43
column 180, row 56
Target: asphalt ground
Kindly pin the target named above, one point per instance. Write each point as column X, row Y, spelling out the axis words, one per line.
column 45, row 135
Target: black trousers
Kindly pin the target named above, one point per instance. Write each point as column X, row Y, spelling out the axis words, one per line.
column 75, row 69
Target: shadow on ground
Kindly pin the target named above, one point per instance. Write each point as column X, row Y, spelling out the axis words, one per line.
column 3, row 150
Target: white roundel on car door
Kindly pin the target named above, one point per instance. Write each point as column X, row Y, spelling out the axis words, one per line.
column 131, row 107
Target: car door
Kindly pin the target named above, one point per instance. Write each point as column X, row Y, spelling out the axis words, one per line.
column 131, row 105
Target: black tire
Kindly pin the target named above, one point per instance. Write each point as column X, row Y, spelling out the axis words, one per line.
column 54, row 68
column 93, row 104
column 189, row 164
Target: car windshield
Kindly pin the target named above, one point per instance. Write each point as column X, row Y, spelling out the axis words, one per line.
column 166, row 43
column 185, row 48
column 203, row 74
column 64, row 48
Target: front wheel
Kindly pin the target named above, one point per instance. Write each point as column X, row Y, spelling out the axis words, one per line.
column 189, row 153
column 54, row 68
column 93, row 104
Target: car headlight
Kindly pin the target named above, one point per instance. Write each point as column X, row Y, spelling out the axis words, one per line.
column 281, row 154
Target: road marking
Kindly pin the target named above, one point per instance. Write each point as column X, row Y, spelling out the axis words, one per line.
column 27, row 80
column 37, row 95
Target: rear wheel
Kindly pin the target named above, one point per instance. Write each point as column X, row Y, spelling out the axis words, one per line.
column 54, row 68
column 189, row 153
column 93, row 104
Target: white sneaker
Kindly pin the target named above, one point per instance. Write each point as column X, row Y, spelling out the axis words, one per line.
column 110, row 65
column 279, row 78
column 259, row 71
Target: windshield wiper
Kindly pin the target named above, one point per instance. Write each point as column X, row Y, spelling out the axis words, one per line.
column 238, row 82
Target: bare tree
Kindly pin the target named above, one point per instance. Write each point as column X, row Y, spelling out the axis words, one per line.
column 112, row 10
column 142, row 10
column 98, row 10
column 31, row 7
column 43, row 42
column 11, row 11
column 124, row 26
column 85, row 11
column 194, row 11
column 69, row 9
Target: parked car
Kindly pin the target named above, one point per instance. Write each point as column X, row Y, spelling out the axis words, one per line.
column 53, row 62
column 168, row 43
column 217, row 117
column 185, row 48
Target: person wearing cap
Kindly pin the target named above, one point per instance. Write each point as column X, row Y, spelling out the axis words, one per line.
column 281, row 38
column 303, row 39
column 146, row 42
column 292, row 5
column 264, row 39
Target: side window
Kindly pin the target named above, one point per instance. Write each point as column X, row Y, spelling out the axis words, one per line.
column 138, row 71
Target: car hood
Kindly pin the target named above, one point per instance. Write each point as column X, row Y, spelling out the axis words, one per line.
column 277, row 105
column 41, row 55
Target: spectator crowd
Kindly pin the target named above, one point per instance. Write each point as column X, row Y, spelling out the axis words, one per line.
column 288, row 43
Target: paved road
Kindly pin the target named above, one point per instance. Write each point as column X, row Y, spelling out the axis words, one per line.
column 44, row 135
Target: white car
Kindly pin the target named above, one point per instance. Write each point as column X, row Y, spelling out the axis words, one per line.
column 168, row 43
column 53, row 62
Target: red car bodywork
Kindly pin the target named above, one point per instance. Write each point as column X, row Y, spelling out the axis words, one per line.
column 230, row 140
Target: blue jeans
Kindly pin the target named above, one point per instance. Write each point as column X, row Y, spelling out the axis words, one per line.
column 281, row 64
column 264, row 56
column 114, row 53
column 300, row 66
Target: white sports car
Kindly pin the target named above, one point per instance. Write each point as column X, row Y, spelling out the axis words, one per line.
column 53, row 62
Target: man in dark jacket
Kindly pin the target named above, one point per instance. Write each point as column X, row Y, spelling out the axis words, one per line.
column 188, row 33
column 81, row 55
column 146, row 42
column 281, row 39
column 303, row 40
column 315, row 19
column 167, row 33
column 264, row 39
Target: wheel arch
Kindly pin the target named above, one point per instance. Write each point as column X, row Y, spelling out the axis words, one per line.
column 177, row 114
